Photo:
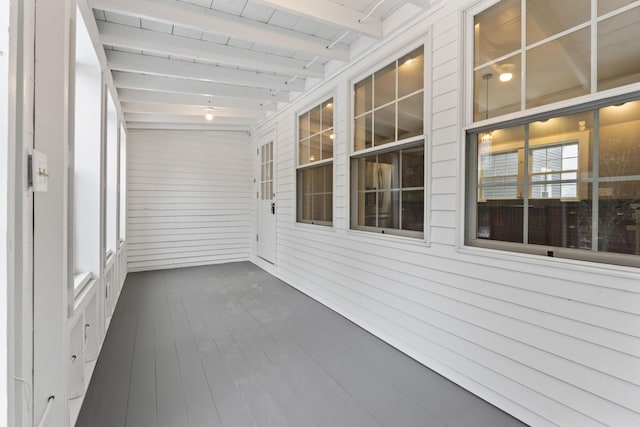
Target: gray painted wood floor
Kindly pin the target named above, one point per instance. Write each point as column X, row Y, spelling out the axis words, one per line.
column 231, row 345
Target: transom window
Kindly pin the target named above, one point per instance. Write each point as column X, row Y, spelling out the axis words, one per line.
column 315, row 165
column 564, row 52
column 387, row 165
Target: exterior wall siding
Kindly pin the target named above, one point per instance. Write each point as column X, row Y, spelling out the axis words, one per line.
column 188, row 199
column 551, row 341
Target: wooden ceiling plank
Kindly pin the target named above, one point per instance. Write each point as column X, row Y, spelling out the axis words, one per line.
column 331, row 14
column 163, row 97
column 122, row 61
column 218, row 22
column 152, row 41
column 171, row 84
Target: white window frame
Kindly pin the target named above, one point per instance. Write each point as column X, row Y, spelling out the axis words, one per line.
column 392, row 146
column 317, row 163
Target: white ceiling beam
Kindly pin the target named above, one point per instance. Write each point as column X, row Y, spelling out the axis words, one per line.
column 218, row 22
column 162, row 97
column 331, row 14
column 189, row 110
column 188, row 126
column 171, row 84
column 153, row 41
column 177, row 118
column 132, row 62
column 424, row 4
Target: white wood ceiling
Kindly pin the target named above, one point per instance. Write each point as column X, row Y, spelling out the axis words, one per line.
column 170, row 60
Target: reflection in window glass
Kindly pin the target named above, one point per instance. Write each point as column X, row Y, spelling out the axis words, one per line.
column 555, row 158
column 410, row 116
column 559, row 69
column 410, row 72
column 548, row 18
column 315, row 181
column 619, row 50
column 390, row 190
column 497, row 31
column 363, row 96
column 385, row 125
column 384, row 85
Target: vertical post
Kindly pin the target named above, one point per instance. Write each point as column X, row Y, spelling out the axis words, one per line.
column 54, row 58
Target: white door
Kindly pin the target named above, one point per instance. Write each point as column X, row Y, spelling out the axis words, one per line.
column 266, row 236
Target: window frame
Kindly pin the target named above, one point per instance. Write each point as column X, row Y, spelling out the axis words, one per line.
column 315, row 164
column 395, row 146
column 469, row 157
column 471, row 187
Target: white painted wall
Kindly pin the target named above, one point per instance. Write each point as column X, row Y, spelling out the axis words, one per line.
column 550, row 341
column 4, row 201
column 189, row 198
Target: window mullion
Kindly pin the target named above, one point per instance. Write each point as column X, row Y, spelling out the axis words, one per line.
column 595, row 194
column 525, row 198
column 594, row 46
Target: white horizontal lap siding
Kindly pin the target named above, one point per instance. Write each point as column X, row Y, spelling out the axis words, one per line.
column 551, row 342
column 188, row 199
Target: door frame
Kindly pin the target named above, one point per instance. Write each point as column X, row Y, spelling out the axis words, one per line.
column 265, row 138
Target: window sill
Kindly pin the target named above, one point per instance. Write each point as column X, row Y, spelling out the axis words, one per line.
column 535, row 257
column 377, row 234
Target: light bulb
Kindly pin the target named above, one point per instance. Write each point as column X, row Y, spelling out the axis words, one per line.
column 208, row 114
column 505, row 77
column 331, row 136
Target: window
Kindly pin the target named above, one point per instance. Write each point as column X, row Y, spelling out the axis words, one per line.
column 562, row 181
column 315, row 165
column 559, row 183
column 387, row 165
column 563, row 52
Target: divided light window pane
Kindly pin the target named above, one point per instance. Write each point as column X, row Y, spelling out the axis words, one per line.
column 315, row 181
column 557, row 68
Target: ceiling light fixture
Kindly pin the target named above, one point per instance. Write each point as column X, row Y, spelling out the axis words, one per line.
column 506, row 72
column 208, row 114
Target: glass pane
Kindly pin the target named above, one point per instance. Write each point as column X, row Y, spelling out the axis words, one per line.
column 303, row 151
column 389, row 170
column 496, row 89
column 546, row 18
column 317, row 180
column 363, row 96
column 389, row 209
column 363, row 132
column 497, row 31
column 328, row 179
column 327, row 144
column 314, row 117
column 367, row 210
column 317, row 203
column 328, row 208
column 314, row 153
column 306, row 208
column 370, row 178
column 499, row 155
column 413, row 210
column 411, row 116
column 569, row 139
column 413, row 167
column 620, row 140
column 500, row 220
column 385, row 85
column 303, row 126
column 565, row 224
column 606, row 6
column 619, row 217
column 559, row 69
column 327, row 114
column 619, row 50
column 385, row 125
column 411, row 72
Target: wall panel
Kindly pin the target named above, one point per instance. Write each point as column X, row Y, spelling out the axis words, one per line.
column 188, row 198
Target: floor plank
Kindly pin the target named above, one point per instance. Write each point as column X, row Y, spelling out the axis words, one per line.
column 230, row 345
